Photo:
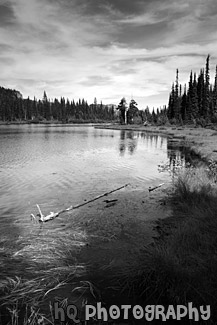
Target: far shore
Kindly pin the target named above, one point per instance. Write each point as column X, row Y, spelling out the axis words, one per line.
column 56, row 122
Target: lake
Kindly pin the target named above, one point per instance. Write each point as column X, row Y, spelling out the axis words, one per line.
column 56, row 166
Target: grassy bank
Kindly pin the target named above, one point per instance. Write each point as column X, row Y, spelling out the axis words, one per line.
column 181, row 265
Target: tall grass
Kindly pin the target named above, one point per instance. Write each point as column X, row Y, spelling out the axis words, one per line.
column 31, row 268
column 181, row 265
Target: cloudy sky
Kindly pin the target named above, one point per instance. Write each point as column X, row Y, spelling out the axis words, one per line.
column 104, row 48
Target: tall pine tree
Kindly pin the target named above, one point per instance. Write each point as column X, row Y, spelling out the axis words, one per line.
column 206, row 90
column 214, row 96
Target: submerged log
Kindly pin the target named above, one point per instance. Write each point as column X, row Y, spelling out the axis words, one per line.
column 154, row 188
column 53, row 215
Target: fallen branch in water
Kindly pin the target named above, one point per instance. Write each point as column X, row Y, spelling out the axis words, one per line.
column 53, row 215
column 154, row 188
column 110, row 201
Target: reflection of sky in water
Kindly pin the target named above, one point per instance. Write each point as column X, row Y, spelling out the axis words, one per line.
column 56, row 166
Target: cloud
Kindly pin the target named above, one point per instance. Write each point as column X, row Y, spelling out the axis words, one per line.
column 141, row 20
column 6, row 15
column 105, row 49
column 4, row 48
column 93, row 81
column 113, row 8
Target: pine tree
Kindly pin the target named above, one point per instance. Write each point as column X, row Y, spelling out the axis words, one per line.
column 171, row 112
column 154, row 116
column 206, row 89
column 73, row 109
column 176, row 98
column 194, row 99
column 200, row 93
column 146, row 115
column 122, row 107
column 67, row 110
column 184, row 105
column 132, row 111
column 35, row 108
column 46, row 107
column 215, row 94
column 63, row 109
column 189, row 99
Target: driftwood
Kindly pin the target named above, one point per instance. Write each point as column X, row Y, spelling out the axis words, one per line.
column 53, row 215
column 110, row 201
column 154, row 188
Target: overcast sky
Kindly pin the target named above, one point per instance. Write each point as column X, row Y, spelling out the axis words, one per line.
column 104, row 48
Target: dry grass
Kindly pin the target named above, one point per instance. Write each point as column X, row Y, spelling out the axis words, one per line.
column 31, row 268
column 182, row 266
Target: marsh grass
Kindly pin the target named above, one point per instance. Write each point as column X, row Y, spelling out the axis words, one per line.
column 31, row 268
column 181, row 265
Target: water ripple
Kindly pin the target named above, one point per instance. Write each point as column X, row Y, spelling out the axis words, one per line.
column 59, row 166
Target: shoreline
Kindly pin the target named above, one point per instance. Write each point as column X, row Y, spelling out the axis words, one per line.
column 75, row 122
column 202, row 141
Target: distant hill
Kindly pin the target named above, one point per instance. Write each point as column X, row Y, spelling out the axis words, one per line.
column 10, row 93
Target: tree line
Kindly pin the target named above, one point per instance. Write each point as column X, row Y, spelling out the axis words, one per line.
column 13, row 107
column 196, row 103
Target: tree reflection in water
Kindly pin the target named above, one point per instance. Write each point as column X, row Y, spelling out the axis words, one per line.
column 129, row 140
column 179, row 157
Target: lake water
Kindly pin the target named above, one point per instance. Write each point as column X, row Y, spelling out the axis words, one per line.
column 56, row 166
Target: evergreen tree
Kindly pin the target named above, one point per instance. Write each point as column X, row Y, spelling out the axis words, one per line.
column 132, row 111
column 184, row 105
column 122, row 107
column 189, row 99
column 34, row 109
column 206, row 89
column 154, row 116
column 171, row 105
column 215, row 94
column 63, row 109
column 200, row 92
column 68, row 107
column 46, row 107
column 194, row 99
column 148, row 116
column 28, row 109
column 176, row 98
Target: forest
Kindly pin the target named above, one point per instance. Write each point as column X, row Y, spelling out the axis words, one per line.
column 13, row 107
column 196, row 103
column 193, row 104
